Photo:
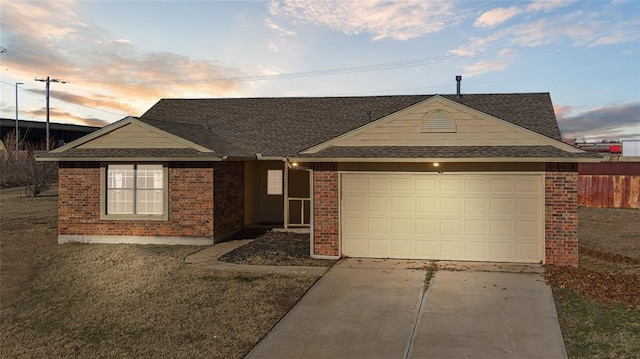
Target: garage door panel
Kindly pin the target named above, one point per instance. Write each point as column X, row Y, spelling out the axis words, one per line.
column 402, row 185
column 378, row 226
column 451, row 185
column 402, row 204
column 501, row 186
column 450, row 205
column 527, row 206
column 526, row 251
column 501, row 228
column 502, row 250
column 356, row 246
column 426, row 185
column 401, row 225
column 451, row 249
column 354, row 184
column 356, row 204
column 379, row 246
column 528, row 186
column 476, row 227
column 527, row 229
column 477, row 205
column 427, row 249
column 489, row 217
column 450, row 227
column 378, row 204
column 475, row 250
column 426, row 226
column 354, row 225
column 501, row 206
column 402, row 248
column 476, row 186
column 427, row 205
column 379, row 184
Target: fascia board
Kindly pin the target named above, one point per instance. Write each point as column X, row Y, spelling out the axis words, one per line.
column 446, row 159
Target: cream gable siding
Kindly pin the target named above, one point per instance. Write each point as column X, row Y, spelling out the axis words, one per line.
column 473, row 128
column 132, row 135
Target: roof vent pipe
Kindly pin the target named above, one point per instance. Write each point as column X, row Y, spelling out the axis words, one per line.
column 458, row 80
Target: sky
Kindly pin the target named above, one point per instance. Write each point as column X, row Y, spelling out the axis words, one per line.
column 118, row 58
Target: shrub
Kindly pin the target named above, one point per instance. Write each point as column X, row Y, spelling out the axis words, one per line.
column 20, row 168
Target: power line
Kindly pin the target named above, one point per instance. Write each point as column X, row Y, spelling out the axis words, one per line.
column 343, row 70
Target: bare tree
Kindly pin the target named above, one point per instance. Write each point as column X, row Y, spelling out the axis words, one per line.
column 20, row 168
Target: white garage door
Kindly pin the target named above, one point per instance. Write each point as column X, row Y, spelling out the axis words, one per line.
column 479, row 217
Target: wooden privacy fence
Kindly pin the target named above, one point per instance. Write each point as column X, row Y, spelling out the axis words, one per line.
column 609, row 184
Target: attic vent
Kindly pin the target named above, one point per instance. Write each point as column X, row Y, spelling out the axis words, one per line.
column 438, row 121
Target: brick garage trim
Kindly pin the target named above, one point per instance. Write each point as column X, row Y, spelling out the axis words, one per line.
column 326, row 215
column 192, row 200
column 561, row 214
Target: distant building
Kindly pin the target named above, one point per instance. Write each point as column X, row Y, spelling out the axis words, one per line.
column 34, row 132
column 613, row 148
column 631, row 148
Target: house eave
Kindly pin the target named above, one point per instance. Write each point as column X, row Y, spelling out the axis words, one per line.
column 447, row 159
column 133, row 159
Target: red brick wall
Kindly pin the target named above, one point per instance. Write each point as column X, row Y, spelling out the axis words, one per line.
column 561, row 214
column 228, row 197
column 190, row 205
column 326, row 221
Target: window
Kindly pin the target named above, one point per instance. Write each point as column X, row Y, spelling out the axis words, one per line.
column 274, row 182
column 135, row 191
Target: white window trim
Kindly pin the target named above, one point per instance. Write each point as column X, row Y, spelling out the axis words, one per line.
column 136, row 217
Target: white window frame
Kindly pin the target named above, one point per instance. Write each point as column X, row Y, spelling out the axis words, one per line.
column 135, row 190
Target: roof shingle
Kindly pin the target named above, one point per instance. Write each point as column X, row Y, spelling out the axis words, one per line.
column 286, row 126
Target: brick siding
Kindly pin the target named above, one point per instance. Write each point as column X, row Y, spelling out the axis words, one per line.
column 561, row 214
column 326, row 221
column 191, row 202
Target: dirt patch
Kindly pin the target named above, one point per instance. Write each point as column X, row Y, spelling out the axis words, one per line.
column 276, row 249
column 611, row 230
column 124, row 301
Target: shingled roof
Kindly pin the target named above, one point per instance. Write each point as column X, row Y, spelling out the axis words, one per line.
column 287, row 126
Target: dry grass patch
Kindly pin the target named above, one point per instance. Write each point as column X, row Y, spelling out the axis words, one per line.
column 598, row 303
column 613, row 230
column 126, row 301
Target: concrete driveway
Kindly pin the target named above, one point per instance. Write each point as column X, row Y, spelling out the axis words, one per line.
column 378, row 309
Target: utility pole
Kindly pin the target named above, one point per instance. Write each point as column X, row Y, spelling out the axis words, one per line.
column 48, row 81
column 17, row 131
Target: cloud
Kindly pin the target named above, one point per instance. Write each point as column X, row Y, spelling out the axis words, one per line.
column 484, row 66
column 60, row 116
column 574, row 28
column 562, row 111
column 48, row 38
column 617, row 121
column 546, row 5
column 400, row 20
column 496, row 16
column 278, row 29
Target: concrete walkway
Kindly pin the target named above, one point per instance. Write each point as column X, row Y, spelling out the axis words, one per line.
column 209, row 256
column 377, row 309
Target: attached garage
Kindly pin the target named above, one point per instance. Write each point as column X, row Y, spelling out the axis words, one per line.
column 446, row 216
